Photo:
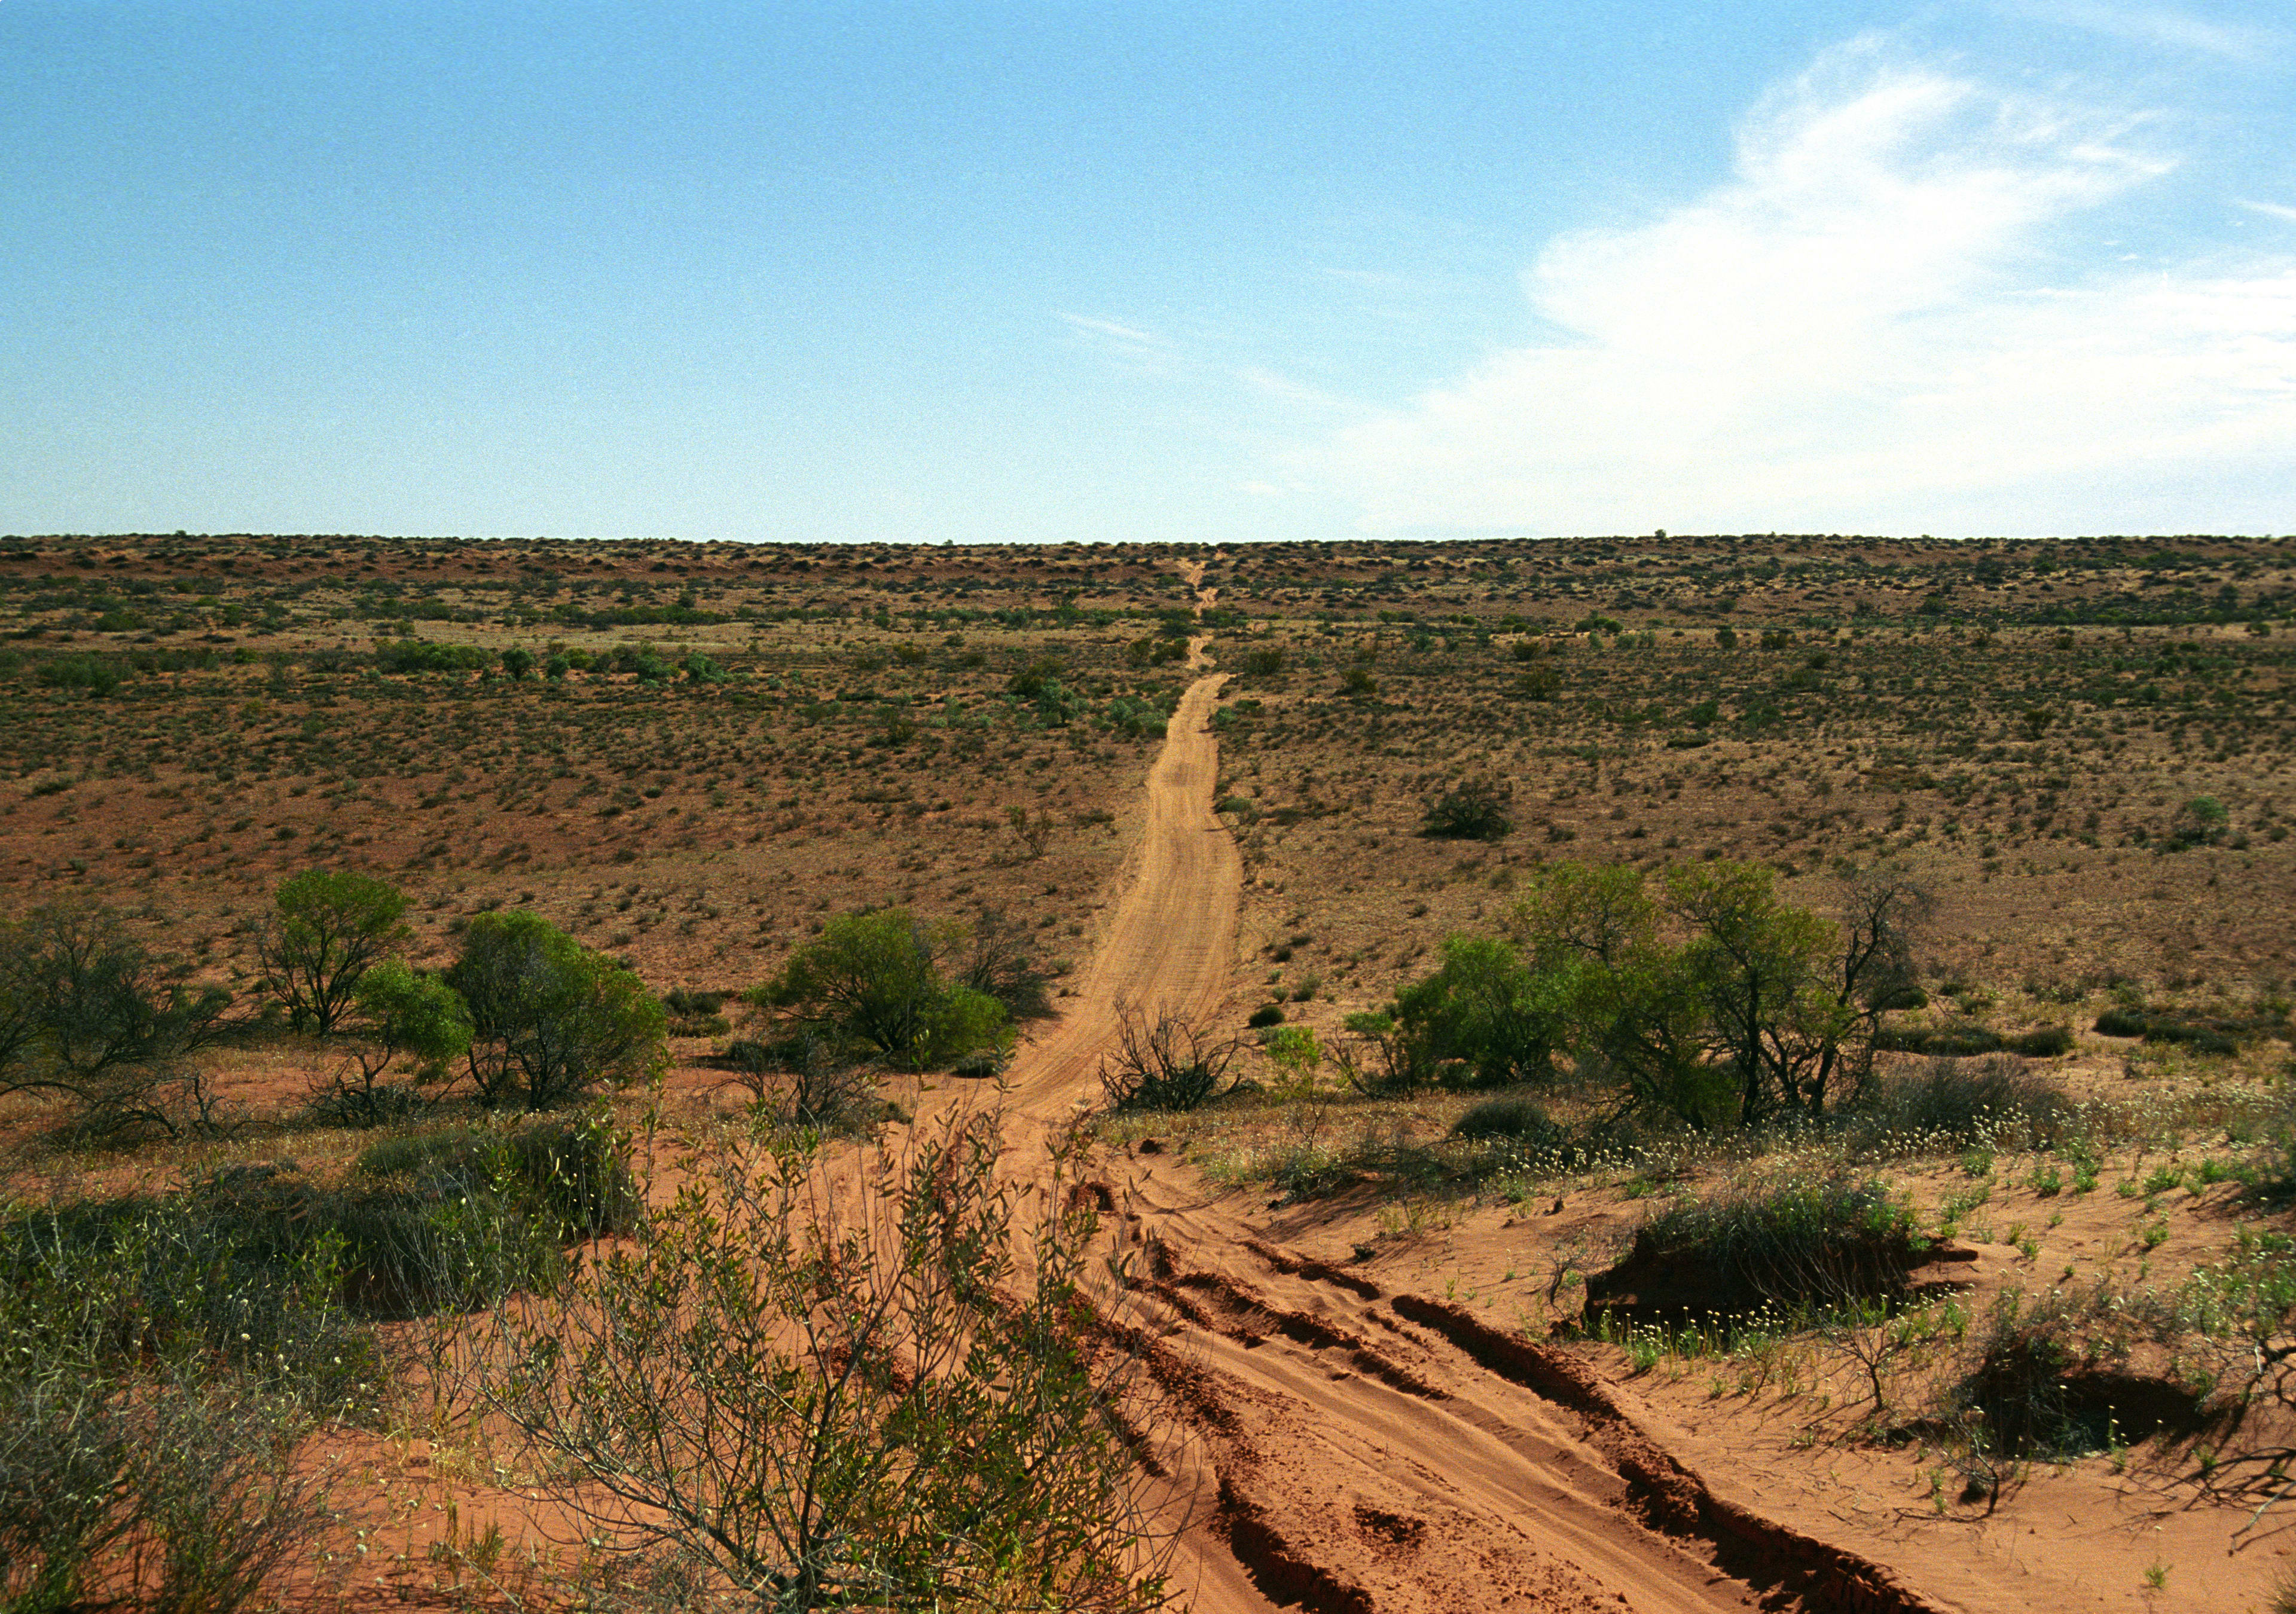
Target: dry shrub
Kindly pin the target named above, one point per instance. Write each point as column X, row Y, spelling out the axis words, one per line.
column 1168, row 1064
column 813, row 1399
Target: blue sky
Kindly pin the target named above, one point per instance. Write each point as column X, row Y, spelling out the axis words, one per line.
column 1068, row 272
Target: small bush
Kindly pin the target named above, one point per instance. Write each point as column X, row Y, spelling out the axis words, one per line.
column 93, row 674
column 2046, row 1377
column 1475, row 810
column 2204, row 1034
column 2047, row 1042
column 574, row 1176
column 1825, row 1242
column 1958, row 1040
column 1164, row 1065
column 1996, row 1099
column 1521, row 1119
column 1265, row 1016
column 800, row 1080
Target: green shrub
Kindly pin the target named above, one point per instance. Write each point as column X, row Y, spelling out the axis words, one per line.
column 160, row 1357
column 424, row 656
column 1519, row 1118
column 550, row 1018
column 330, row 929
column 875, row 981
column 1475, row 810
column 1995, row 1099
column 1959, row 1040
column 94, row 673
column 900, row 1404
column 2026, row 1385
column 2046, row 1042
column 1265, row 1016
column 1823, row 1242
column 2204, row 1034
column 573, row 1177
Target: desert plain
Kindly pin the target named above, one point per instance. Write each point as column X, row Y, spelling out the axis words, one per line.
column 1371, row 1339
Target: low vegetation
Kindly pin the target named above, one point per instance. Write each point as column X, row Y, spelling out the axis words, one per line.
column 1839, row 902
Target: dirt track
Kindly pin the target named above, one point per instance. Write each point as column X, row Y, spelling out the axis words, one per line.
column 1354, row 1449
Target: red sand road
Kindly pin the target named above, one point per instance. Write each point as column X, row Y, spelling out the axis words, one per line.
column 1355, row 1450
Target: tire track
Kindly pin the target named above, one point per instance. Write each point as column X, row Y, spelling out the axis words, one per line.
column 1354, row 1451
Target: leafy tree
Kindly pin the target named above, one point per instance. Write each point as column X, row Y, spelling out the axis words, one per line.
column 550, row 1018
column 2201, row 822
column 1715, row 995
column 1486, row 1019
column 874, row 980
column 517, row 662
column 1760, row 965
column 1797, row 999
column 330, row 930
column 998, row 962
column 402, row 1014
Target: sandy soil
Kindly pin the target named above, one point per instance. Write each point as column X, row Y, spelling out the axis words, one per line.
column 1356, row 1450
column 1355, row 1445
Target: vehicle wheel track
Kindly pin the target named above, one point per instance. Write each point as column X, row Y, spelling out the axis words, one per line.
column 1448, row 1466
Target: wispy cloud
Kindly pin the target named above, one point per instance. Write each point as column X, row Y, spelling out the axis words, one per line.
column 1274, row 384
column 2162, row 26
column 2270, row 210
column 1129, row 345
column 1865, row 330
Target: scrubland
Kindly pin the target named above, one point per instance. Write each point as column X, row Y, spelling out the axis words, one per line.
column 1980, row 1328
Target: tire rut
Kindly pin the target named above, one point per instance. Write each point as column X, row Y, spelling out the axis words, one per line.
column 1355, row 1450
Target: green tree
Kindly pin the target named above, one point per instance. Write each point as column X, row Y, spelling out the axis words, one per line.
column 549, row 1018
column 403, row 1013
column 1486, row 1019
column 1760, row 966
column 1719, row 996
column 330, row 929
column 518, row 662
column 875, row 980
column 1628, row 1002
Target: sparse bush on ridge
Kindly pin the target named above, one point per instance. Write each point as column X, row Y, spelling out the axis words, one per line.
column 88, row 1014
column 1997, row 1100
column 1519, row 1118
column 1812, row 1242
column 1475, row 810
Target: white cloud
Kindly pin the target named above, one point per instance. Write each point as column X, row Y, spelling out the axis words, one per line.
column 1127, row 346
column 1866, row 329
column 2170, row 29
column 2270, row 210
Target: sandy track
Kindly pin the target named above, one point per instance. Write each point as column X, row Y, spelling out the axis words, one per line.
column 1171, row 945
column 1354, row 1450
